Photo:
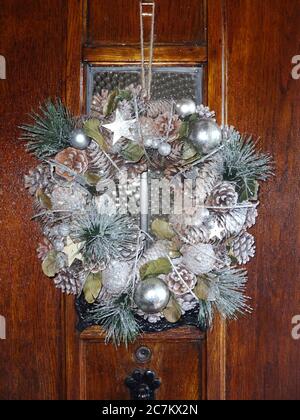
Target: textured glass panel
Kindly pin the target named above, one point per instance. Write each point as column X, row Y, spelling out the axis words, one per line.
column 168, row 83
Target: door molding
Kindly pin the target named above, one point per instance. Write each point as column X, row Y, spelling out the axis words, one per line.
column 217, row 100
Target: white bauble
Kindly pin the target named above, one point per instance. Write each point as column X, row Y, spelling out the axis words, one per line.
column 199, row 259
column 115, row 276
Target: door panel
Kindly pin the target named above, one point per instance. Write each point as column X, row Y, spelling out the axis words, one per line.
column 105, row 368
column 32, row 356
column 262, row 358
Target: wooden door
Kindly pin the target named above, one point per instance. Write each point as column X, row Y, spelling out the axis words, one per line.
column 247, row 47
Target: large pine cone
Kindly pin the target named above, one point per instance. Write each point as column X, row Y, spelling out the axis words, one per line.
column 74, row 159
column 223, row 195
column 71, row 280
column 165, row 126
column 243, row 247
column 195, row 235
column 156, row 108
column 175, row 283
column 210, row 174
column 99, row 163
column 39, row 179
column 99, row 104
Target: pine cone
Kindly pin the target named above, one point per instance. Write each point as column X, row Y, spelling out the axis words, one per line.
column 155, row 108
column 74, row 159
column 209, row 175
column 126, row 109
column 43, row 249
column 99, row 104
column 136, row 169
column 71, row 280
column 39, row 179
column 222, row 255
column 195, row 235
column 163, row 126
column 181, row 281
column 232, row 221
column 158, row 250
column 243, row 247
column 70, row 199
column 99, row 163
column 223, row 195
column 205, row 112
column 187, row 302
column 251, row 216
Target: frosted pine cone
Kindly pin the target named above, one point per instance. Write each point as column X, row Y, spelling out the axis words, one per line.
column 126, row 109
column 74, row 159
column 71, row 280
column 155, row 108
column 205, row 112
column 195, row 235
column 158, row 250
column 43, row 249
column 99, row 104
column 99, row 163
column 181, row 281
column 209, row 175
column 167, row 126
column 39, row 179
column 223, row 195
column 243, row 247
column 233, row 221
column 251, row 216
column 71, row 198
column 187, row 302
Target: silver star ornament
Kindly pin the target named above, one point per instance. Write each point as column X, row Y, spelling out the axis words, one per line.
column 122, row 128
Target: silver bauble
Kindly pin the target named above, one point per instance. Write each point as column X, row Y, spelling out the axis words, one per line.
column 155, row 143
column 152, row 295
column 58, row 245
column 148, row 142
column 115, row 277
column 199, row 259
column 185, row 107
column 164, row 149
column 205, row 135
column 79, row 140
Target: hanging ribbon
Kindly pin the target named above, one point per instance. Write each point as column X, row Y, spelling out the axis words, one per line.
column 147, row 9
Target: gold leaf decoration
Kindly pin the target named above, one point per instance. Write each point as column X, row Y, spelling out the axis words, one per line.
column 92, row 178
column 173, row 311
column 162, row 229
column 44, row 199
column 202, row 289
column 92, row 130
column 133, row 152
column 49, row 265
column 92, row 287
column 72, row 250
column 155, row 268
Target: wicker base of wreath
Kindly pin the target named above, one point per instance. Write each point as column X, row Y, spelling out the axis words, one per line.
column 190, row 318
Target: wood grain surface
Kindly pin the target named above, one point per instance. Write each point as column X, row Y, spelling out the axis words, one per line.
column 117, row 22
column 32, row 357
column 250, row 84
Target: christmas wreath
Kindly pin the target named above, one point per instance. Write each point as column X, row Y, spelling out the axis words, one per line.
column 92, row 189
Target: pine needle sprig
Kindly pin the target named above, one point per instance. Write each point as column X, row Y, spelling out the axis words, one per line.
column 106, row 236
column 50, row 131
column 243, row 164
column 117, row 319
column 230, row 300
